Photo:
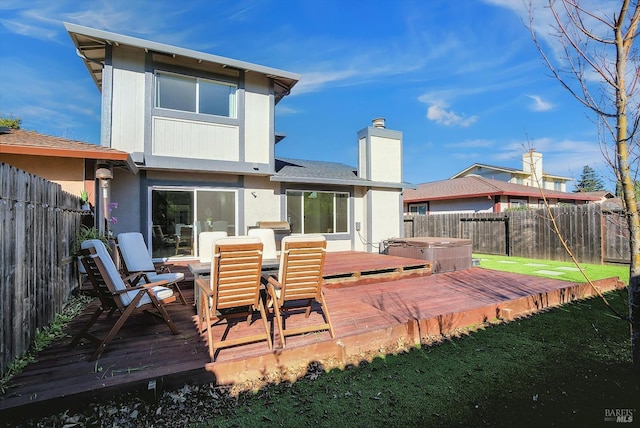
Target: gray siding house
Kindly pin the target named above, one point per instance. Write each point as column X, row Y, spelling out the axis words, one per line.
column 201, row 131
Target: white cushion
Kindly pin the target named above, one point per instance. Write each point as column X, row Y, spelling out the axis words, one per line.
column 135, row 253
column 206, row 241
column 268, row 238
column 295, row 238
column 170, row 277
column 116, row 279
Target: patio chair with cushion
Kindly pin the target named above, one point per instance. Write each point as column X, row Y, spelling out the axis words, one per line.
column 117, row 294
column 232, row 292
column 206, row 240
column 137, row 261
column 299, row 283
column 268, row 238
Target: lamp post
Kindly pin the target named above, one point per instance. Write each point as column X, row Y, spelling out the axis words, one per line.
column 104, row 174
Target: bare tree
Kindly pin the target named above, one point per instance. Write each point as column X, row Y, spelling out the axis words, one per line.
column 595, row 62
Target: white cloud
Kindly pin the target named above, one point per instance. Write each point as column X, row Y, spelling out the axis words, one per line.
column 28, row 30
column 285, row 110
column 313, row 81
column 438, row 112
column 448, row 117
column 539, row 104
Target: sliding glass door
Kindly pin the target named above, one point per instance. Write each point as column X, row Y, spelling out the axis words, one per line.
column 178, row 215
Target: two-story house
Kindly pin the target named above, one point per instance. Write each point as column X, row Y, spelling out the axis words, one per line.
column 201, row 131
column 531, row 173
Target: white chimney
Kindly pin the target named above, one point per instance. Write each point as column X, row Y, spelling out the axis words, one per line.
column 380, row 153
column 532, row 163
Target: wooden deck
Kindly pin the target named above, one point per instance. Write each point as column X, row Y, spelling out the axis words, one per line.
column 390, row 301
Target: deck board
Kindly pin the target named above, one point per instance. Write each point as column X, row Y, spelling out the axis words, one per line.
column 365, row 315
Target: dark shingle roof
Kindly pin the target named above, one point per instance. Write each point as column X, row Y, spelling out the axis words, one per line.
column 297, row 168
column 474, row 186
column 323, row 172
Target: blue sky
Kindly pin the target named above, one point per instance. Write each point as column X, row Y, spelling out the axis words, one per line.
column 461, row 79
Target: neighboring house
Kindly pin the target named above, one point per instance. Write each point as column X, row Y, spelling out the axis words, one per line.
column 530, row 175
column 70, row 163
column 601, row 195
column 480, row 194
column 201, row 130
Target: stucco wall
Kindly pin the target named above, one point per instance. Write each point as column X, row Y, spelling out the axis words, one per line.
column 125, row 191
column 67, row 172
column 262, row 201
column 385, row 218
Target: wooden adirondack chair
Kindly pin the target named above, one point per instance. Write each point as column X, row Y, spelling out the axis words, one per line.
column 299, row 283
column 117, row 294
column 232, row 291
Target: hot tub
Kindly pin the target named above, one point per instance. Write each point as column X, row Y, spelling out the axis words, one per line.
column 445, row 254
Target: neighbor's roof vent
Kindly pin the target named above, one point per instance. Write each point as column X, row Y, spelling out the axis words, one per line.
column 378, row 123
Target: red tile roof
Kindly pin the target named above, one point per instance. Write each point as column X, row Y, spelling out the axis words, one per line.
column 20, row 141
column 474, row 187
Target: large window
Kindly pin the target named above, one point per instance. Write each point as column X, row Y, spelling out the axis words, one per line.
column 179, row 215
column 195, row 94
column 318, row 212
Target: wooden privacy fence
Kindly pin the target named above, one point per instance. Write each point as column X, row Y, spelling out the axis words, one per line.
column 37, row 224
column 594, row 235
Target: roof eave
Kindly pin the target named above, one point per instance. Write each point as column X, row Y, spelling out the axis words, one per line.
column 285, row 79
column 115, row 158
column 340, row 182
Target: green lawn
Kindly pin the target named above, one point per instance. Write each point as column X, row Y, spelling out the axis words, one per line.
column 568, row 270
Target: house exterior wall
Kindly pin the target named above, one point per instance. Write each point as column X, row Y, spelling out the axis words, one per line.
column 258, row 120
column 263, row 201
column 359, row 216
column 384, row 217
column 258, row 199
column 126, row 192
column 478, row 205
column 171, row 139
column 189, row 139
column 69, row 173
column 128, row 102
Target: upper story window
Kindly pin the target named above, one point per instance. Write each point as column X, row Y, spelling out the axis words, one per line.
column 195, row 94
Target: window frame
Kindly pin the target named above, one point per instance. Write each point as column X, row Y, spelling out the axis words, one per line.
column 198, row 80
column 194, row 210
column 417, row 208
column 335, row 220
column 517, row 202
